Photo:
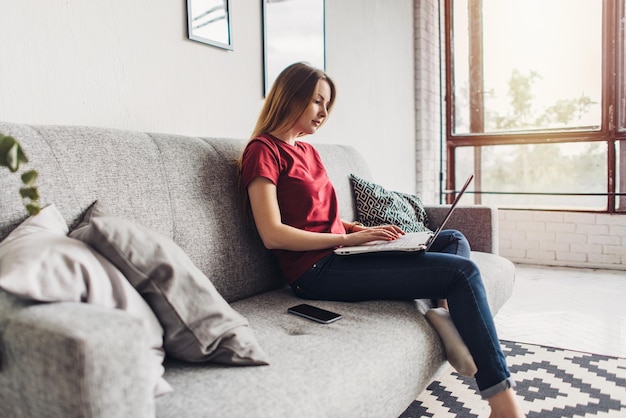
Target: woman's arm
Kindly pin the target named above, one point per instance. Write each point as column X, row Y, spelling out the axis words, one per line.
column 277, row 235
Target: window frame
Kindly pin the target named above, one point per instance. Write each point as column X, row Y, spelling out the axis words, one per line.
column 612, row 52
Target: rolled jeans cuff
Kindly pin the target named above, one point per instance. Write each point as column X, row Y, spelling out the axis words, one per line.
column 497, row 388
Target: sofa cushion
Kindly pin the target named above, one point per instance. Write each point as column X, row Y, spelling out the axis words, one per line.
column 378, row 206
column 343, row 369
column 199, row 324
column 39, row 262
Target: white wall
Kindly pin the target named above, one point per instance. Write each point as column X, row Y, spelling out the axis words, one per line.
column 370, row 55
column 129, row 65
column 125, row 65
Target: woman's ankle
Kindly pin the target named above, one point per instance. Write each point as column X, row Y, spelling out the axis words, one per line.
column 505, row 405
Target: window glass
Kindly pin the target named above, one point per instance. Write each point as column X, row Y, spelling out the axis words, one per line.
column 541, row 65
column 545, row 173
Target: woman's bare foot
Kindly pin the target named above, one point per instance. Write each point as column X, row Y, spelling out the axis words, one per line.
column 505, row 405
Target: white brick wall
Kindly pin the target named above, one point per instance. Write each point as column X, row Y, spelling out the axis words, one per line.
column 427, row 100
column 563, row 238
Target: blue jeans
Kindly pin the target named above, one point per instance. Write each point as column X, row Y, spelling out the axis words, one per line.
column 444, row 272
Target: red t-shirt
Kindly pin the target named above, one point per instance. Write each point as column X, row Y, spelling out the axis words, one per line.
column 306, row 197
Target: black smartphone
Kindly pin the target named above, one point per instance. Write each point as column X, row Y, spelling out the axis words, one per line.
column 314, row 313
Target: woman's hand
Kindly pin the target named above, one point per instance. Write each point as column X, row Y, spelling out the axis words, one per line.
column 363, row 234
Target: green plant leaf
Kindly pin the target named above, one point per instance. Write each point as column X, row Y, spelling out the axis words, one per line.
column 33, row 208
column 30, row 177
column 10, row 159
column 6, row 142
column 11, row 153
column 11, row 156
column 29, row 193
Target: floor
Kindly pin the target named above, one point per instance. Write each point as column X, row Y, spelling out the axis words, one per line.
column 577, row 309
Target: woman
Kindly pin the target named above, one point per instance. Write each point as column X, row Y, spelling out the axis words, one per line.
column 295, row 210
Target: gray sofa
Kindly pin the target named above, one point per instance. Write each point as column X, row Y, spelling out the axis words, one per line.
column 80, row 360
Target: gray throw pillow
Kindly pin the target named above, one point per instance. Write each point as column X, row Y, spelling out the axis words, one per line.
column 376, row 205
column 199, row 324
column 38, row 261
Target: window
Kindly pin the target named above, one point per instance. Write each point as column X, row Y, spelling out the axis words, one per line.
column 536, row 102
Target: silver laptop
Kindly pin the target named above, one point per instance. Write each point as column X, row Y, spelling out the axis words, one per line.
column 411, row 241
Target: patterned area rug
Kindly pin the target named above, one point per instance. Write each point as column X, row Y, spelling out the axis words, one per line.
column 551, row 382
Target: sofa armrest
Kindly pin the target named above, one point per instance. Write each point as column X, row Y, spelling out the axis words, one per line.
column 73, row 360
column 478, row 223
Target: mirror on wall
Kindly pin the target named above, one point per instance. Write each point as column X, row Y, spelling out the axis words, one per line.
column 208, row 21
column 293, row 31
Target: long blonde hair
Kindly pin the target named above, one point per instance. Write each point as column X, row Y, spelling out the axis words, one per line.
column 290, row 95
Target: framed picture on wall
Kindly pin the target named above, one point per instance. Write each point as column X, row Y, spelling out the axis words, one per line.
column 208, row 21
column 293, row 31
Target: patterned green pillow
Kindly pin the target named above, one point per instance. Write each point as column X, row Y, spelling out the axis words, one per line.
column 376, row 205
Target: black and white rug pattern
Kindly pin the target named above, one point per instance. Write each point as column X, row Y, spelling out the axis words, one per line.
column 551, row 383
